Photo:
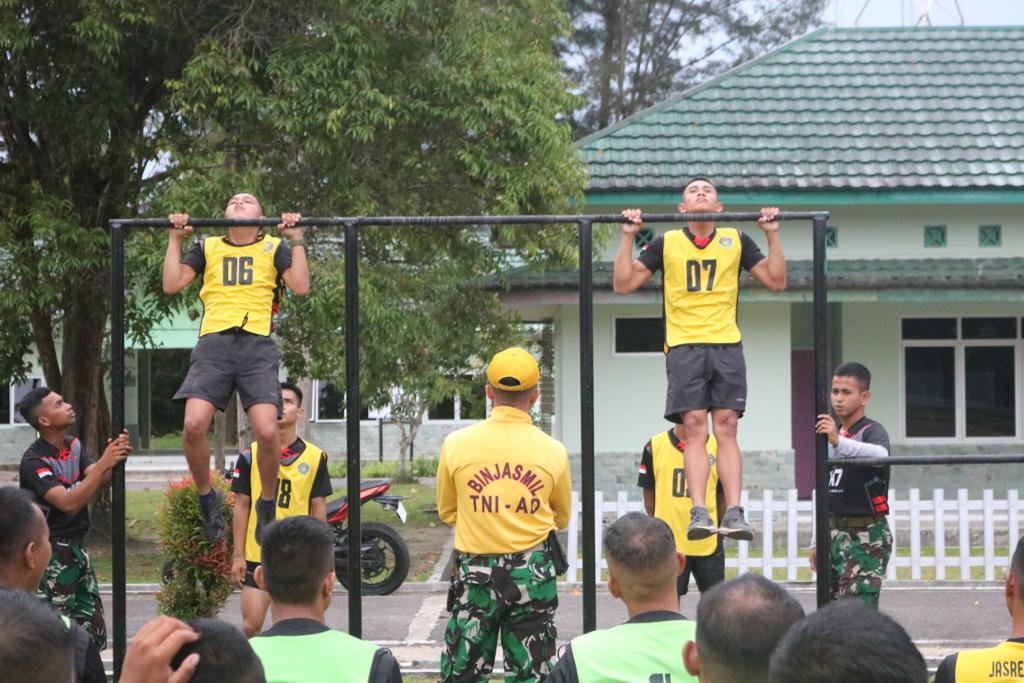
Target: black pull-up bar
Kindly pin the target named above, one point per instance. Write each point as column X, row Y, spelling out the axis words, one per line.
column 584, row 224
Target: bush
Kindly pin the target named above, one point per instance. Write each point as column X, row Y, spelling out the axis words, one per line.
column 373, row 469
column 199, row 571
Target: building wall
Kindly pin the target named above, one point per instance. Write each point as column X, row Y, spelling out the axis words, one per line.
column 887, row 231
column 629, row 391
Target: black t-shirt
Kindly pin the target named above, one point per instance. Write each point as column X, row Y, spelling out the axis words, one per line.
column 195, row 257
column 859, row 491
column 652, row 256
column 44, row 467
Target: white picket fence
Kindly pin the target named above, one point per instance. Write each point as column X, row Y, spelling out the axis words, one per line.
column 910, row 516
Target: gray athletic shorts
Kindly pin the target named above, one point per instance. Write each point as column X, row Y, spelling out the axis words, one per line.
column 701, row 377
column 223, row 362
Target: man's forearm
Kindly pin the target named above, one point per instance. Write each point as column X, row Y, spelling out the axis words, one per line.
column 776, row 260
column 78, row 497
column 240, row 523
column 172, row 265
column 623, row 268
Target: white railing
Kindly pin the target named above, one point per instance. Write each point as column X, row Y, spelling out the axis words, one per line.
column 913, row 518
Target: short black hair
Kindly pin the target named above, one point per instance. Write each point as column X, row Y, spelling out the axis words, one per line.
column 297, row 553
column 695, row 178
column 637, row 541
column 740, row 621
column 35, row 643
column 858, row 371
column 224, row 654
column 28, row 406
column 851, row 642
column 292, row 388
column 17, row 528
column 1017, row 561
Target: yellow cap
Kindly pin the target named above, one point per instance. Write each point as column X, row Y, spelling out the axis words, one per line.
column 513, row 369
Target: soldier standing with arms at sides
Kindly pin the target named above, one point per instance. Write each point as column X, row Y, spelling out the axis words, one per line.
column 663, row 481
column 706, row 368
column 504, row 485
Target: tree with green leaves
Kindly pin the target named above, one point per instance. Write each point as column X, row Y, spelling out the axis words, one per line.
column 626, row 55
column 118, row 108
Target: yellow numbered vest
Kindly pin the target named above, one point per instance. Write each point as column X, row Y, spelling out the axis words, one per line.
column 701, row 288
column 241, row 286
column 295, row 480
column 672, row 501
column 1004, row 662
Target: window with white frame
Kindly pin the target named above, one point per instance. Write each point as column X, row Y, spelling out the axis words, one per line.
column 639, row 336
column 9, row 414
column 961, row 377
column 329, row 403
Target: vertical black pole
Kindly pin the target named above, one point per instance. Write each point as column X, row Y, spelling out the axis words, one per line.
column 355, row 565
column 587, row 424
column 822, row 374
column 380, row 439
column 117, row 539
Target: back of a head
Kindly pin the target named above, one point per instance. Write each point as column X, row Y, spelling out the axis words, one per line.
column 641, row 553
column 297, row 553
column 17, row 524
column 1017, row 564
column 847, row 642
column 224, row 654
column 739, row 623
column 35, row 644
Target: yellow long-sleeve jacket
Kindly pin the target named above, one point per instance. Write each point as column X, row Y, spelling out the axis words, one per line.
column 503, row 484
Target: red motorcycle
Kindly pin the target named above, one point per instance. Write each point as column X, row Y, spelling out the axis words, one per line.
column 383, row 554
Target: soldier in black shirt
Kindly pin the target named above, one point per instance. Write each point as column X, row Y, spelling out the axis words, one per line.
column 63, row 479
column 858, row 497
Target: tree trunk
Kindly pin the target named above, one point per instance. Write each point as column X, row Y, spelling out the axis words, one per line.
column 82, row 378
column 407, row 431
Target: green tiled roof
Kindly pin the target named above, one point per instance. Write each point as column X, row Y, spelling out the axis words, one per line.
column 995, row 273
column 837, row 110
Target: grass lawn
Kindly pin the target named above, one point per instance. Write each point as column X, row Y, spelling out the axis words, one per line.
column 423, row 532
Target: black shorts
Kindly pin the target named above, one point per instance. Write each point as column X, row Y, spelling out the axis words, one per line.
column 250, row 574
column 223, row 362
column 707, row 570
column 702, row 377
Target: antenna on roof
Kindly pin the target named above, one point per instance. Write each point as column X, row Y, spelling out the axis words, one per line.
column 926, row 6
column 922, row 9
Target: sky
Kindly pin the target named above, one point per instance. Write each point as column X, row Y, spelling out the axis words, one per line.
column 941, row 12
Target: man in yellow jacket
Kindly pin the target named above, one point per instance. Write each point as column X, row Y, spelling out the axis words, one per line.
column 504, row 485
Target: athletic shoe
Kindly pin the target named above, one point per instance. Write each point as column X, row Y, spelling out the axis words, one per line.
column 266, row 510
column 701, row 525
column 210, row 506
column 734, row 525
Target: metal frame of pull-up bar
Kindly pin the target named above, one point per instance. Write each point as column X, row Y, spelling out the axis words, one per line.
column 584, row 223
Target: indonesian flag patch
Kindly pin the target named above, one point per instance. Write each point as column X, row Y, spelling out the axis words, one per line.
column 44, row 472
column 643, row 468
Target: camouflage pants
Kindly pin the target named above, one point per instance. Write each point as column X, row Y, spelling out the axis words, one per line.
column 859, row 560
column 69, row 584
column 513, row 596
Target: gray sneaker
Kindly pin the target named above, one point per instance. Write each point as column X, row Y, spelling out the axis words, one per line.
column 213, row 518
column 266, row 510
column 701, row 525
column 734, row 525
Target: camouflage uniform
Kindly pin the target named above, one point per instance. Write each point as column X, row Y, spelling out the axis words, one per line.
column 69, row 583
column 515, row 594
column 859, row 559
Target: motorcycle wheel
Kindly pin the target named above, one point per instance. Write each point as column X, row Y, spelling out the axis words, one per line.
column 385, row 563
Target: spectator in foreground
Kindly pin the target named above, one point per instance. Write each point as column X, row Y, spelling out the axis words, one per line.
column 297, row 570
column 1005, row 661
column 739, row 624
column 847, row 642
column 643, row 566
column 35, row 644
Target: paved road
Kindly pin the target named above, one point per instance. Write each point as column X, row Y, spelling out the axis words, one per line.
column 411, row 621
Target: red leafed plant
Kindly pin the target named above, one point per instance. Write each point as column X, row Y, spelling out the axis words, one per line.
column 197, row 573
